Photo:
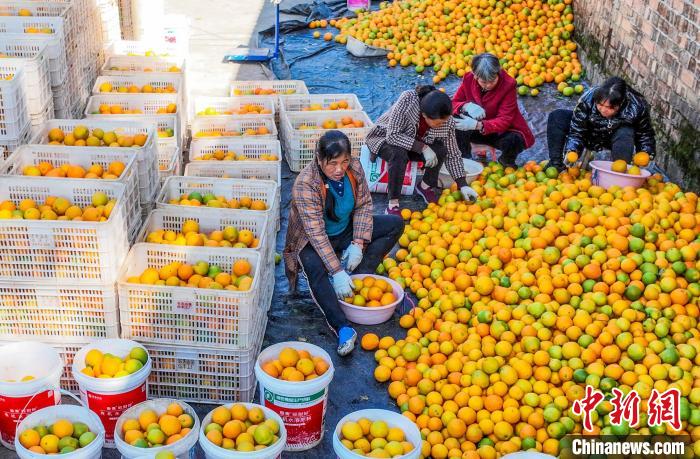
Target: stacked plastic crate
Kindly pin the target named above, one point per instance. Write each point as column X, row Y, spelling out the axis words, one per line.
column 147, row 89
column 14, row 116
column 304, row 119
column 203, row 338
column 57, row 277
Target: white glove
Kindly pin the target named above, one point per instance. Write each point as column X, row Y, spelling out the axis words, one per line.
column 352, row 256
column 468, row 193
column 430, row 157
column 474, row 111
column 465, row 124
column 342, row 284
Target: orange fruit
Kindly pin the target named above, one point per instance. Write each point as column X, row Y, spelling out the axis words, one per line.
column 369, row 341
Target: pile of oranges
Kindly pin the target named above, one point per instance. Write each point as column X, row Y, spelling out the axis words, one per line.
column 241, row 429
column 531, row 37
column 261, row 130
column 96, row 171
column 371, row 292
column 198, row 275
column 117, row 109
column 152, row 430
column 135, row 89
column 59, row 208
column 545, row 285
column 229, row 155
column 346, row 122
column 295, row 365
column 210, row 200
column 82, row 136
column 245, row 109
column 189, row 234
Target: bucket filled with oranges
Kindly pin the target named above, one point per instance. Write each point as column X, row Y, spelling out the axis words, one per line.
column 64, row 429
column 375, row 299
column 607, row 174
column 157, row 426
column 376, row 433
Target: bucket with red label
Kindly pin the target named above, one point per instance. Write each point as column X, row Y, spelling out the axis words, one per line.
column 300, row 404
column 110, row 397
column 30, row 374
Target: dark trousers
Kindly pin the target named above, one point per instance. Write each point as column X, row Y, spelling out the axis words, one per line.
column 558, row 124
column 397, row 159
column 509, row 143
column 385, row 232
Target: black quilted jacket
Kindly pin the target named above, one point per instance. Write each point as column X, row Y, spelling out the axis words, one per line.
column 591, row 130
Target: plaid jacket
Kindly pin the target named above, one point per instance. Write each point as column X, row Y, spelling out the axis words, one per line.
column 399, row 125
column 306, row 223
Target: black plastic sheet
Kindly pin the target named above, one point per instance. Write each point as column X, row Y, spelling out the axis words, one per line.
column 327, row 67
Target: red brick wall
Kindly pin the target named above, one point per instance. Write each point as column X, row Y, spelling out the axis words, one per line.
column 655, row 46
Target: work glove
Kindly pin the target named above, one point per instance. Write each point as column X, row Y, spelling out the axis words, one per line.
column 430, row 157
column 465, row 124
column 468, row 193
column 474, row 111
column 352, row 256
column 342, row 284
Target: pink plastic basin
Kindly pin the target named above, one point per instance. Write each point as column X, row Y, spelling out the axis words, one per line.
column 365, row 315
column 603, row 176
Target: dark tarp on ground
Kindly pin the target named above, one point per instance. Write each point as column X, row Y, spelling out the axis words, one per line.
column 327, row 67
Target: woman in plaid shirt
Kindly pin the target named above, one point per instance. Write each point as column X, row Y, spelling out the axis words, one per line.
column 418, row 127
column 332, row 229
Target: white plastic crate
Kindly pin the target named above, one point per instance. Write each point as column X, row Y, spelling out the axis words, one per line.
column 142, row 48
column 147, row 156
column 67, row 353
column 126, row 65
column 169, row 161
column 39, row 119
column 58, row 314
column 159, row 81
column 264, row 87
column 9, row 146
column 13, row 28
column 233, row 126
column 298, row 103
column 233, row 105
column 14, row 116
column 300, row 145
column 198, row 374
column 47, row 9
column 229, row 188
column 37, row 81
column 56, row 55
column 79, row 252
column 252, row 149
column 183, row 315
column 212, row 220
column 27, row 155
column 148, row 104
column 163, row 123
column 253, row 170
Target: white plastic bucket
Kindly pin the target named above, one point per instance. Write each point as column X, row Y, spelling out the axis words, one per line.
column 392, row 419
column 365, row 315
column 181, row 449
column 73, row 413
column 211, row 451
column 603, row 176
column 356, row 5
column 301, row 405
column 18, row 399
column 109, row 398
column 472, row 169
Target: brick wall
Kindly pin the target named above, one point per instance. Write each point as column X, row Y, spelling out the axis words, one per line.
column 655, row 46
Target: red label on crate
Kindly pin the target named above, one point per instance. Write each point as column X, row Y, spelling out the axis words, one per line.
column 110, row 406
column 302, row 416
column 14, row 409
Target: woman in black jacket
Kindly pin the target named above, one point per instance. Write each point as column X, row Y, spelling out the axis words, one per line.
column 611, row 116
